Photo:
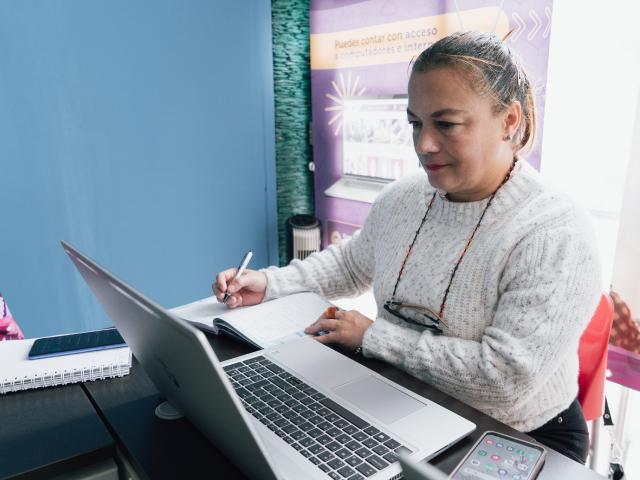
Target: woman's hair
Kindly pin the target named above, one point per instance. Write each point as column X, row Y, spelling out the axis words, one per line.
column 490, row 68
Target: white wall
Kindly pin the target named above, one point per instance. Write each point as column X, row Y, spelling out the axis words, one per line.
column 592, row 92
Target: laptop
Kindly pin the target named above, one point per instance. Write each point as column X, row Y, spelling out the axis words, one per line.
column 297, row 410
column 377, row 146
column 413, row 470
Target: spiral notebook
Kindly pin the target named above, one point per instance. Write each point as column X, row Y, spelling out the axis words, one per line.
column 17, row 372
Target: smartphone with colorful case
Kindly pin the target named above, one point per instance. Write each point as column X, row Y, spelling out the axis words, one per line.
column 497, row 456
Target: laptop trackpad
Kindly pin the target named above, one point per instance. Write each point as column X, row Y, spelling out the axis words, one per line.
column 379, row 399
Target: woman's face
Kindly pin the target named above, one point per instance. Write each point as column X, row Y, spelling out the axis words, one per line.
column 459, row 140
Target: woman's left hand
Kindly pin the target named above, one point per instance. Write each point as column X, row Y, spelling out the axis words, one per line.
column 346, row 329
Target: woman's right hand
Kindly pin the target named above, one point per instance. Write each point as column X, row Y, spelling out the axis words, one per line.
column 249, row 289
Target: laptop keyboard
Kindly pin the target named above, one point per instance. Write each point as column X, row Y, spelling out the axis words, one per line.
column 338, row 442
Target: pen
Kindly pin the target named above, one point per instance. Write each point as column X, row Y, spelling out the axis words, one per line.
column 241, row 269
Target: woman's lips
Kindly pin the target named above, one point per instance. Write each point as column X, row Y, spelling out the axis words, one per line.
column 435, row 167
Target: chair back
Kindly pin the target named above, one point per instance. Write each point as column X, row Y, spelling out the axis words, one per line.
column 592, row 354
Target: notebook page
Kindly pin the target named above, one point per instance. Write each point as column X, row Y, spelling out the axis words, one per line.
column 201, row 311
column 277, row 321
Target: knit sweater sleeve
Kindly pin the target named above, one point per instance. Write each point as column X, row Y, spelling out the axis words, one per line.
column 338, row 271
column 548, row 291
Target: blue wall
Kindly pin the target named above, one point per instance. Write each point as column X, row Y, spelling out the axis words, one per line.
column 142, row 132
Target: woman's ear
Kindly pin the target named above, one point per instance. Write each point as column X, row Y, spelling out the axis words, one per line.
column 512, row 117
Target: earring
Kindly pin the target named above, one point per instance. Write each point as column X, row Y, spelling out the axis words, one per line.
column 507, row 137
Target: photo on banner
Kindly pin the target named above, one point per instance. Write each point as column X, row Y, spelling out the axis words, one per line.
column 9, row 329
column 360, row 65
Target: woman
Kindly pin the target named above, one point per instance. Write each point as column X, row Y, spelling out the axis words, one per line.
column 484, row 277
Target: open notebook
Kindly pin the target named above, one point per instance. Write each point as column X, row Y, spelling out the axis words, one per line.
column 263, row 325
column 17, row 372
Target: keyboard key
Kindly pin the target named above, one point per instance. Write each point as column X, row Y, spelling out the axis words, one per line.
column 315, row 433
column 346, row 471
column 316, row 449
column 392, row 444
column 381, row 437
column 306, row 453
column 357, row 476
column 243, row 393
column 316, row 420
column 350, row 429
column 324, row 468
column 341, row 423
column 324, row 426
column 353, row 445
column 327, row 456
column 323, row 439
column 377, row 462
column 344, row 413
column 333, row 446
column 334, row 432
column 360, row 436
column 297, row 420
column 371, row 430
column 291, row 390
column 353, row 460
column 390, row 457
column 230, row 368
column 306, row 441
column 343, row 453
column 290, row 429
column 336, row 463
column 363, row 452
column 306, row 426
column 334, row 475
column 274, row 368
column 314, row 460
column 342, row 438
column 366, row 469
column 380, row 450
column 279, row 382
column 332, row 417
column 371, row 443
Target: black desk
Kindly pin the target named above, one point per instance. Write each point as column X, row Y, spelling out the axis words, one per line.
column 49, row 432
column 160, row 449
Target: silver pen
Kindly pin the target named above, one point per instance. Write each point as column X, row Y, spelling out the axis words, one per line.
column 241, row 269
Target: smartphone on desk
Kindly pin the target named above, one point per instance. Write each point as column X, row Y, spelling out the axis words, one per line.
column 76, row 343
column 501, row 457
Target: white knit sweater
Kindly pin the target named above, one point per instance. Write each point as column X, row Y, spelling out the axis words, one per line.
column 522, row 295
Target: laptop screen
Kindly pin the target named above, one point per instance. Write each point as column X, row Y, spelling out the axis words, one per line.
column 376, row 138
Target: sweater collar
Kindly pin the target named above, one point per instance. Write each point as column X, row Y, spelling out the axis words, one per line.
column 512, row 194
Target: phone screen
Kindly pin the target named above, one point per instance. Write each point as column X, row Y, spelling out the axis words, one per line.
column 77, row 342
column 498, row 457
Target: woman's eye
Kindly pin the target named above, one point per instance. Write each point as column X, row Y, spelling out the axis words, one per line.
column 445, row 125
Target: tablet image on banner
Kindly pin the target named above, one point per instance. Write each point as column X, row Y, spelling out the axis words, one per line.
column 377, row 146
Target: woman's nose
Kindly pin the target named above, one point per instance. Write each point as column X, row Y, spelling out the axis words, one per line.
column 425, row 142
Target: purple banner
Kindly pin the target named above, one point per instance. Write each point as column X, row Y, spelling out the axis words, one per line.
column 360, row 56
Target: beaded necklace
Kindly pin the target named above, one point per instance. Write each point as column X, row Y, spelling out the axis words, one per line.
column 464, row 251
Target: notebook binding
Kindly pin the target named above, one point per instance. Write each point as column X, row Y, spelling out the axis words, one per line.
column 51, row 379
